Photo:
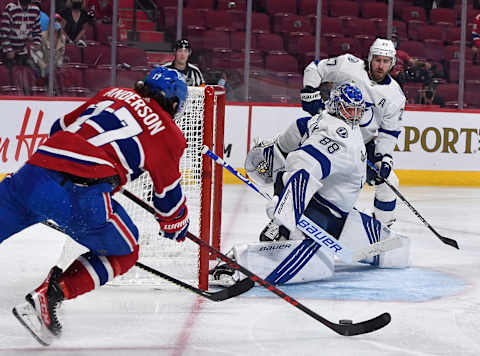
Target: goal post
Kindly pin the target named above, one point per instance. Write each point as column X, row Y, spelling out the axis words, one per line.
column 201, row 124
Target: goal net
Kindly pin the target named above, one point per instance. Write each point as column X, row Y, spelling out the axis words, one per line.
column 201, row 124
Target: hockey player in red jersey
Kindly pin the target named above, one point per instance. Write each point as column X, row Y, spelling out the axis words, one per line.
column 92, row 152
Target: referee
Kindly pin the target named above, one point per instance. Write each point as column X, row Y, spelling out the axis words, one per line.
column 192, row 73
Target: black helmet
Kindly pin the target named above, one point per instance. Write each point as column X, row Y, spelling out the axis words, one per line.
column 183, row 43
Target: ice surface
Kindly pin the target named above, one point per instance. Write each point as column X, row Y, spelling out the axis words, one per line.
column 435, row 305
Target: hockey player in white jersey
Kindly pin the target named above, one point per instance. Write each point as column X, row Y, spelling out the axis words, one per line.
column 317, row 167
column 380, row 125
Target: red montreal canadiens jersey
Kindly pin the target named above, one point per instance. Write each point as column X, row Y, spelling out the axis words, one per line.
column 118, row 132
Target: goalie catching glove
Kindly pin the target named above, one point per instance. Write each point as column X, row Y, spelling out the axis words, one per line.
column 176, row 227
column 264, row 161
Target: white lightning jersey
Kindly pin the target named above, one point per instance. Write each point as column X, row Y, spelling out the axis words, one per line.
column 332, row 153
column 385, row 100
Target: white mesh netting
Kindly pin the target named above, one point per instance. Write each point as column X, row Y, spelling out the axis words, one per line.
column 179, row 260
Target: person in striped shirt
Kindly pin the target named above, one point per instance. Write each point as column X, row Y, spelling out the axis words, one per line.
column 183, row 51
column 20, row 24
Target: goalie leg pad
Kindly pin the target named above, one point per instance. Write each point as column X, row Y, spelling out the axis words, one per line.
column 286, row 262
column 385, row 201
column 361, row 230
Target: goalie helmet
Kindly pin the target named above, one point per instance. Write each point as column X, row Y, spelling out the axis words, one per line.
column 346, row 102
column 382, row 47
column 170, row 84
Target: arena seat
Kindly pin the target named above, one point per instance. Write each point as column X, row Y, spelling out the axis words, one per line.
column 344, row 9
column 268, row 42
column 374, row 10
column 281, row 63
column 443, row 16
column 131, row 55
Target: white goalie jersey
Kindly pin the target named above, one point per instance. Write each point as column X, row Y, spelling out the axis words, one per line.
column 333, row 153
column 385, row 100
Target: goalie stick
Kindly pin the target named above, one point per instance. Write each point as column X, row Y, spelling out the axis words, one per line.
column 312, row 230
column 348, row 329
column 223, row 294
column 444, row 239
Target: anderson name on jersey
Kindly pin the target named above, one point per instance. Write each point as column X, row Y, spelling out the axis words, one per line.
column 118, row 132
column 333, row 153
column 385, row 100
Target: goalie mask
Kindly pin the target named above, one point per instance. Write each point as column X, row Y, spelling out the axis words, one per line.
column 347, row 103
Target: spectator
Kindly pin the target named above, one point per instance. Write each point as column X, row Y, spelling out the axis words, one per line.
column 183, row 51
column 20, row 25
column 476, row 37
column 42, row 57
column 428, row 95
column 433, row 4
column 408, row 69
column 101, row 10
column 76, row 22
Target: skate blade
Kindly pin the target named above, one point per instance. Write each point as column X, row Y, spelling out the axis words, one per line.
column 27, row 316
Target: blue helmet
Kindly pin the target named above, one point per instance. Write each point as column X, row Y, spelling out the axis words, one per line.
column 170, row 84
column 347, row 103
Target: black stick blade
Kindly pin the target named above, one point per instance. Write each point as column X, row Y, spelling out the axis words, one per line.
column 364, row 327
column 449, row 241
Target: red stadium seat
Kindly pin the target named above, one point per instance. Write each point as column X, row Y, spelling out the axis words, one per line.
column 104, row 32
column 472, row 94
column 415, row 13
column 374, row 10
column 232, row 5
column 332, row 25
column 96, row 79
column 237, row 41
column 448, row 91
column 127, row 78
column 286, row 23
column 414, row 49
column 344, row 9
column 132, row 56
column 256, row 59
column 359, row 26
column 442, row 16
column 453, row 66
column 69, row 77
column 200, row 4
column 4, row 76
column 97, row 55
column 453, row 52
column 219, row 20
column 281, row 63
column 398, row 27
column 343, row 45
column 260, row 22
column 452, row 35
column 192, row 17
column 285, row 6
column 411, row 90
column 268, row 42
column 429, row 32
column 309, row 7
column 300, row 43
column 472, row 72
column 434, row 50
column 73, row 54
column 216, row 39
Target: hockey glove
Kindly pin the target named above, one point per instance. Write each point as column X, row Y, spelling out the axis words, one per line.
column 174, row 228
column 384, row 165
column 311, row 100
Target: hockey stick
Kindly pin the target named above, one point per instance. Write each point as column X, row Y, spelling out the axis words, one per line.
column 312, row 230
column 345, row 329
column 444, row 239
column 226, row 293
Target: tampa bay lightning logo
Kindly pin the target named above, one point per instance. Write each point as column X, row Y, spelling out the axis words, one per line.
column 352, row 59
column 342, row 132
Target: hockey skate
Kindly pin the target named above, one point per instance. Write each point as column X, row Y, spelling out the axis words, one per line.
column 39, row 313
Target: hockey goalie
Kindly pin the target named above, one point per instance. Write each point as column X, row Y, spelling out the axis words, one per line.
column 317, row 168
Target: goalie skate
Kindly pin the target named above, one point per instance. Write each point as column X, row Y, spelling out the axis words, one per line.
column 39, row 313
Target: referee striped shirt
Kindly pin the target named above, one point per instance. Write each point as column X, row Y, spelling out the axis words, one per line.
column 17, row 25
column 192, row 74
